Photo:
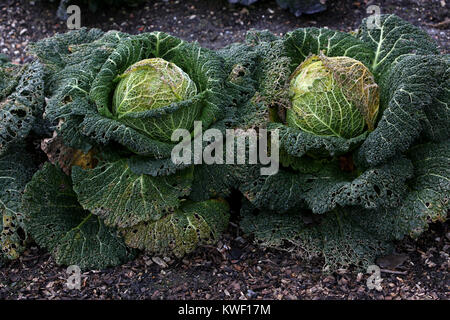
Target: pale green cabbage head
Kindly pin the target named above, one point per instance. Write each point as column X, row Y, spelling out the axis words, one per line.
column 333, row 96
column 151, row 84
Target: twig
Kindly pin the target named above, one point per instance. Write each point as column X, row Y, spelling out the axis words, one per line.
column 394, row 272
column 439, row 25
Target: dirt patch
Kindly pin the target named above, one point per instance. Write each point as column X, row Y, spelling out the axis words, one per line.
column 236, row 269
column 213, row 24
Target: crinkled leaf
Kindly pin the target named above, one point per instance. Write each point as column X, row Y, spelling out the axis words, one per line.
column 355, row 235
column 9, row 76
column 122, row 198
column 54, row 51
column 16, row 170
column 19, row 110
column 429, row 199
column 240, row 62
column 160, row 167
column 193, row 224
column 437, row 124
column 382, row 186
column 392, row 39
column 297, row 143
column 336, row 238
column 413, row 83
column 322, row 187
column 215, row 180
column 71, row 234
column 301, row 43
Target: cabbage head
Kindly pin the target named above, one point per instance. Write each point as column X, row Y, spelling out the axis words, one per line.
column 334, row 96
column 151, row 84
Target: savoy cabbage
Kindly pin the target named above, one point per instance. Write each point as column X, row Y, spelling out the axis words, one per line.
column 363, row 122
column 364, row 190
column 117, row 99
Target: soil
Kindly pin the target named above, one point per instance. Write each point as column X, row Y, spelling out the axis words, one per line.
column 213, row 23
column 235, row 268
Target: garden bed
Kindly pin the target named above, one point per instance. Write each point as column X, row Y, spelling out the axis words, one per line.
column 235, row 268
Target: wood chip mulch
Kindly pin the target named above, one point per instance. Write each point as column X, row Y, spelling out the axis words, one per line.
column 236, row 269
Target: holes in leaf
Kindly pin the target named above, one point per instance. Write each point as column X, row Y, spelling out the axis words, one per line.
column 19, row 113
column 377, row 189
column 21, row 234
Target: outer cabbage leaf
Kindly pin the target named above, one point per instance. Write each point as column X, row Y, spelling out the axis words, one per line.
column 298, row 143
column 20, row 109
column 323, row 187
column 71, row 61
column 123, row 199
column 240, row 63
column 212, row 181
column 354, row 235
column 181, row 232
column 436, row 126
column 16, row 170
column 301, row 43
column 160, row 167
column 393, row 39
column 335, row 238
column 429, row 197
column 94, row 129
column 55, row 51
column 9, row 76
column 409, row 97
column 71, row 234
